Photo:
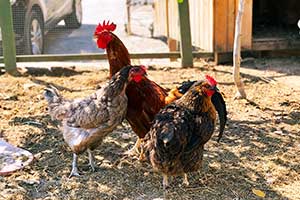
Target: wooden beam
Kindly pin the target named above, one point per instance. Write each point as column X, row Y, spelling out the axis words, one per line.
column 167, row 19
column 222, row 57
column 172, row 44
column 128, row 25
column 281, row 53
column 100, row 56
column 262, row 44
column 185, row 34
column 8, row 37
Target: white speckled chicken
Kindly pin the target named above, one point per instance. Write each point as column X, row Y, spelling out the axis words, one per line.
column 85, row 122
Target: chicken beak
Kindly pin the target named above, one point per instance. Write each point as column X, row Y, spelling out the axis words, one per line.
column 216, row 89
column 95, row 38
column 165, row 141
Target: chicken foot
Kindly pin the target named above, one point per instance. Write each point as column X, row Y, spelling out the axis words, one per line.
column 135, row 149
column 165, row 181
column 185, row 179
column 142, row 156
column 74, row 171
column 91, row 160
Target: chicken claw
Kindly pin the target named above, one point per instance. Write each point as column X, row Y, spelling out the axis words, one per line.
column 91, row 160
column 74, row 171
column 165, row 182
column 185, row 180
column 142, row 156
column 135, row 149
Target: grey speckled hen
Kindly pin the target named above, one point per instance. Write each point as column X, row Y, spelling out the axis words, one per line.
column 85, row 122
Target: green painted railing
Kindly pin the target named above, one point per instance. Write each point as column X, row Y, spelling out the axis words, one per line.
column 101, row 56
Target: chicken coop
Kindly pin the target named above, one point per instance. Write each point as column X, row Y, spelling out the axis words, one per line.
column 267, row 25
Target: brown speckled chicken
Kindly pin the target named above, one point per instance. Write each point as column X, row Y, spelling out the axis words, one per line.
column 217, row 99
column 176, row 140
column 85, row 122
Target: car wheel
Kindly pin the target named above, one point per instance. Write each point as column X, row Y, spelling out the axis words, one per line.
column 74, row 20
column 33, row 34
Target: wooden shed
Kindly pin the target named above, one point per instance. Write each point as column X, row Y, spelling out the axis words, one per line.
column 267, row 24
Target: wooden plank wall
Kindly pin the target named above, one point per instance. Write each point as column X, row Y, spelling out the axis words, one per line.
column 160, row 17
column 212, row 23
column 224, row 25
column 173, row 20
column 224, row 13
column 201, row 18
column 201, row 15
column 247, row 24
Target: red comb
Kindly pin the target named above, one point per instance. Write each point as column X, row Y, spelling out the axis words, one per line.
column 211, row 80
column 105, row 27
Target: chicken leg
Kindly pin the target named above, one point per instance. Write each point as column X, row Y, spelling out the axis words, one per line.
column 165, row 181
column 91, row 160
column 185, row 179
column 142, row 156
column 135, row 149
column 74, row 171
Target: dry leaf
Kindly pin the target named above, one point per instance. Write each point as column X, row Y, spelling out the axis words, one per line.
column 259, row 193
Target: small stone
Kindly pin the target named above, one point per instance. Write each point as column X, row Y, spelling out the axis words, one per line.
column 28, row 86
column 125, row 136
column 31, row 181
column 279, row 132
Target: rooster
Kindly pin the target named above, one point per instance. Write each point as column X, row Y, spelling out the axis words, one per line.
column 85, row 122
column 117, row 53
column 146, row 98
column 175, row 142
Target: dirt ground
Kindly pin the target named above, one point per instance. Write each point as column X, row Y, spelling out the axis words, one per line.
column 259, row 151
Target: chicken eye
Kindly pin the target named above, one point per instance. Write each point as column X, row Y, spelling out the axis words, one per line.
column 207, row 86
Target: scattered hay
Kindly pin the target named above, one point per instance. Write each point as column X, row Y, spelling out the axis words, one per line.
column 259, row 150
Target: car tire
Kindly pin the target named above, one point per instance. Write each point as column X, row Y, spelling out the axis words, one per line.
column 74, row 20
column 33, row 34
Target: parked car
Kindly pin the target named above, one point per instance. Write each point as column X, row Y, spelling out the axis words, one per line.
column 141, row 2
column 32, row 19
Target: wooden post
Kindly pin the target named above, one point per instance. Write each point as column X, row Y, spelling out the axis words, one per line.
column 128, row 25
column 185, row 34
column 167, row 18
column 8, row 37
column 172, row 44
column 241, row 94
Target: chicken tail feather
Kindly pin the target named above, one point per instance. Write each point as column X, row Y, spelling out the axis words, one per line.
column 219, row 103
